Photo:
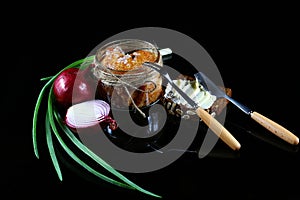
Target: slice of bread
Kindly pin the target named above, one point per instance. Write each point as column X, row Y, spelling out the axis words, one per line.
column 185, row 112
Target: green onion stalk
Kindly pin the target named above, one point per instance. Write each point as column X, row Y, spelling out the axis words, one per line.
column 53, row 124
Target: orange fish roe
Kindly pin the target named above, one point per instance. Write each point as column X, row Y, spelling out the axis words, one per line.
column 116, row 59
column 122, row 79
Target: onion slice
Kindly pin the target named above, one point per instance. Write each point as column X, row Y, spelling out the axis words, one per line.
column 87, row 113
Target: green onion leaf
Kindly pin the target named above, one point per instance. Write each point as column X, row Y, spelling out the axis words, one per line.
column 46, row 78
column 50, row 146
column 70, row 153
column 50, row 126
column 96, row 158
column 40, row 97
column 35, row 117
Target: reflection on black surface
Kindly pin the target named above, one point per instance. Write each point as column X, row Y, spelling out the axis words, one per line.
column 167, row 133
column 84, row 183
column 187, row 175
column 266, row 137
column 157, row 127
column 216, row 152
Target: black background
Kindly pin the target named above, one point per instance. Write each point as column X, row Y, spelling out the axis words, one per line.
column 256, row 51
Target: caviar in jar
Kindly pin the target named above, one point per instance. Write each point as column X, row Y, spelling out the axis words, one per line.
column 123, row 80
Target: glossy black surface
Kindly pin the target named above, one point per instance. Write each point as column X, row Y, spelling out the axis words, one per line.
column 256, row 60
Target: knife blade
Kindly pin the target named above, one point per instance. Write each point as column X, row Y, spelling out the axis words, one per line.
column 267, row 123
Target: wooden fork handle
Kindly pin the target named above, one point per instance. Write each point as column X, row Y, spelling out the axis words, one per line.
column 275, row 128
column 218, row 129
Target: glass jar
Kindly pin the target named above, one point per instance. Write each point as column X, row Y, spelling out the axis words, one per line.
column 122, row 79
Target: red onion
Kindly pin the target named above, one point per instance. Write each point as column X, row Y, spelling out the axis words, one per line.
column 72, row 86
column 89, row 113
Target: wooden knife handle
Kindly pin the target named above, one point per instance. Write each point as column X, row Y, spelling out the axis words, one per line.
column 218, row 129
column 275, row 128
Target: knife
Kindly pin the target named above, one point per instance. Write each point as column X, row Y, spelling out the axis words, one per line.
column 267, row 123
column 208, row 119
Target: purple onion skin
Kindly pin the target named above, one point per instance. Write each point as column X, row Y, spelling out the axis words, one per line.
column 67, row 91
column 73, row 86
column 112, row 124
column 107, row 122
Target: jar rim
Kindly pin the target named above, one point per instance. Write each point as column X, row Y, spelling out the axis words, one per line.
column 124, row 41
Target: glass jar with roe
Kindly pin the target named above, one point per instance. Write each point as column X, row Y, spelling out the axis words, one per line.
column 123, row 80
